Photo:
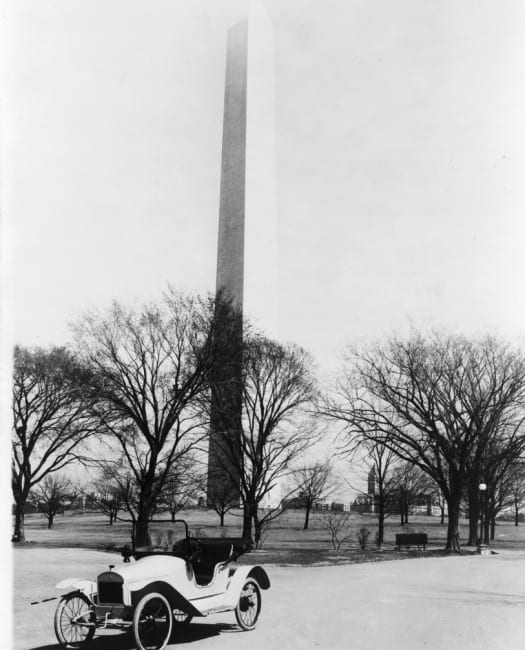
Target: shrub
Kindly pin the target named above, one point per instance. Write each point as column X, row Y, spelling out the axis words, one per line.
column 362, row 537
column 338, row 526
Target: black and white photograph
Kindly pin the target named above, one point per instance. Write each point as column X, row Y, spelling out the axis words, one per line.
column 262, row 324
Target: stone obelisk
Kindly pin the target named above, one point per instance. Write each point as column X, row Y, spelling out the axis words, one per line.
column 247, row 256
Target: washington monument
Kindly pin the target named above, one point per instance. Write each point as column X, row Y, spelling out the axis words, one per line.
column 247, row 256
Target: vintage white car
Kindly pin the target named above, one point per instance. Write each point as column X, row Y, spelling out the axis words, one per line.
column 169, row 582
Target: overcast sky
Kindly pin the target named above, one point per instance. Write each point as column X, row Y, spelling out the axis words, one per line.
column 400, row 162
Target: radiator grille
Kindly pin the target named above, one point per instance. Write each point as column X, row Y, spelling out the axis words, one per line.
column 109, row 588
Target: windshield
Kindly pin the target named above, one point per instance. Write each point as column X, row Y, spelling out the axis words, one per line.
column 165, row 537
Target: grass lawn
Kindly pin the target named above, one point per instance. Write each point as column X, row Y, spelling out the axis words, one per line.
column 284, row 543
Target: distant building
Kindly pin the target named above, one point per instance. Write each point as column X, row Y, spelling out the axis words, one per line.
column 293, row 503
column 368, row 503
column 363, row 503
column 372, row 481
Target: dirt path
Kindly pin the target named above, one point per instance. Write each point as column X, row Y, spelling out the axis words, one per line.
column 452, row 603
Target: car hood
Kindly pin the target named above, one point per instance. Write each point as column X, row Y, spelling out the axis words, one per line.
column 148, row 568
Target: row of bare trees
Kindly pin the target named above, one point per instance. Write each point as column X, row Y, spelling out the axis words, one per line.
column 449, row 406
column 139, row 383
column 443, row 411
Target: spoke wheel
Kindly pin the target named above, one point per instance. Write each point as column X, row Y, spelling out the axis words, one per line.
column 249, row 605
column 74, row 621
column 152, row 622
column 181, row 617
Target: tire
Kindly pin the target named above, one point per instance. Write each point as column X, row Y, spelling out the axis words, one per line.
column 69, row 633
column 180, row 617
column 249, row 605
column 152, row 622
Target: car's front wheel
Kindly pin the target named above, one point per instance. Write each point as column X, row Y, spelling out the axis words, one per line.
column 249, row 605
column 152, row 622
column 74, row 621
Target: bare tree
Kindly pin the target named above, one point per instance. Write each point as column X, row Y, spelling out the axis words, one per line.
column 110, row 490
column 435, row 403
column 338, row 525
column 51, row 400
column 442, row 505
column 501, row 437
column 51, row 496
column 117, row 491
column 383, row 461
column 151, row 366
column 224, row 497
column 313, row 483
column 516, row 488
column 276, row 387
column 506, row 479
column 181, row 484
column 408, row 484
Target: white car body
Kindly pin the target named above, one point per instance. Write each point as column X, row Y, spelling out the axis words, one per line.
column 174, row 578
column 169, row 582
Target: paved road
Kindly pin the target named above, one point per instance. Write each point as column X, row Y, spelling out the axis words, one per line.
column 456, row 603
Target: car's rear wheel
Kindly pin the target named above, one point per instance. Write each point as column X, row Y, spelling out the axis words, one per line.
column 152, row 622
column 249, row 605
column 74, row 621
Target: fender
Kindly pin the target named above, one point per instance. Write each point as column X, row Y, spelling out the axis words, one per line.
column 240, row 576
column 175, row 599
column 87, row 587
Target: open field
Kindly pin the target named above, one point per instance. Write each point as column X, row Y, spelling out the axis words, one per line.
column 285, row 542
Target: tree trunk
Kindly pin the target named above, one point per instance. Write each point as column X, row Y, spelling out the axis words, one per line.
column 257, row 531
column 381, row 521
column 50, row 518
column 474, row 512
column 173, row 513
column 142, row 536
column 452, row 545
column 492, row 528
column 516, row 514
column 145, row 509
column 473, row 521
column 247, row 523
column 19, row 531
column 307, row 517
column 486, row 529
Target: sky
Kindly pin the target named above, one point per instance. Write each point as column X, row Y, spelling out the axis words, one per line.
column 399, row 168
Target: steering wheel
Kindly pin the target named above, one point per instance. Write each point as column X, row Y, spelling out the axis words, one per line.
column 196, row 549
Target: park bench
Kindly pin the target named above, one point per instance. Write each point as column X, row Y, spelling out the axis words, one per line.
column 411, row 539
